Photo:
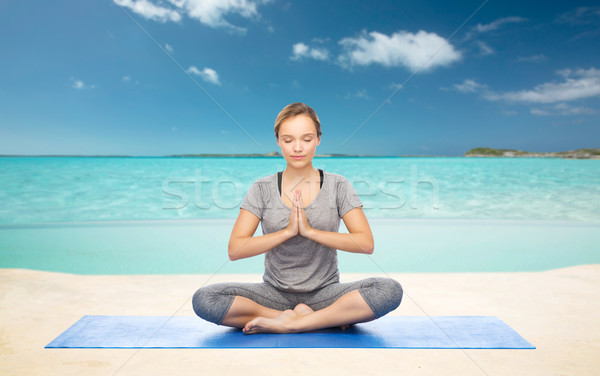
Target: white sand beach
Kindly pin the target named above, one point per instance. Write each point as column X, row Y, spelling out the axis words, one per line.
column 555, row 310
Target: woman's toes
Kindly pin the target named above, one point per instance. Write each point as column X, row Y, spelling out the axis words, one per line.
column 284, row 323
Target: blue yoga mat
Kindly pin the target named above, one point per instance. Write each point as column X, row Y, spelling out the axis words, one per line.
column 419, row 332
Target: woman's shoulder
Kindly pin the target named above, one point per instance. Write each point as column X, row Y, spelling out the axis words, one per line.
column 261, row 187
column 336, row 178
column 265, row 181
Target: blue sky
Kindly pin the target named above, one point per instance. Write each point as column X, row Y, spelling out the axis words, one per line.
column 152, row 78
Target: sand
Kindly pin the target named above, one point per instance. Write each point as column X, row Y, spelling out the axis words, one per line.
column 555, row 310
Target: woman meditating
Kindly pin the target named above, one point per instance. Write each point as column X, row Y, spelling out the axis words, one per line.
column 300, row 210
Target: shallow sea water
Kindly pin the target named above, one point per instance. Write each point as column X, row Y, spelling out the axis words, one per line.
column 174, row 215
column 39, row 189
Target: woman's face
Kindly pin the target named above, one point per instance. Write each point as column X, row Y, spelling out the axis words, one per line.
column 298, row 137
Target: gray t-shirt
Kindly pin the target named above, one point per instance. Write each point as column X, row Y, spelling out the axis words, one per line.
column 300, row 264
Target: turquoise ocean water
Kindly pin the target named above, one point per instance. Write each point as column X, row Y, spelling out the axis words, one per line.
column 174, row 215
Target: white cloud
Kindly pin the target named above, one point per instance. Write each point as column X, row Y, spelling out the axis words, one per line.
column 551, row 96
column 207, row 74
column 301, row 50
column 150, row 11
column 320, row 40
column 128, row 79
column 470, row 86
column 168, row 48
column 564, row 72
column 576, row 85
column 412, row 50
column 563, row 109
column 566, row 109
column 531, row 59
column 212, row 12
column 80, row 85
column 395, row 86
column 209, row 12
column 360, row 94
column 484, row 49
column 581, row 16
column 538, row 112
column 494, row 25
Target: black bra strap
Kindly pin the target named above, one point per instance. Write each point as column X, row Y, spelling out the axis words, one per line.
column 280, row 174
column 279, row 181
column 321, row 183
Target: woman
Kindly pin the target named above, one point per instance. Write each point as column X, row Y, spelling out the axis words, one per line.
column 300, row 210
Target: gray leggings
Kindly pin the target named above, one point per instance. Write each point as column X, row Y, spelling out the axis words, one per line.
column 213, row 302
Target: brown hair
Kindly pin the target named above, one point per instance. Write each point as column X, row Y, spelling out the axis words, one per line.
column 296, row 109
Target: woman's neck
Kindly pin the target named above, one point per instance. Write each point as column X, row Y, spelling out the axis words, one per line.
column 294, row 174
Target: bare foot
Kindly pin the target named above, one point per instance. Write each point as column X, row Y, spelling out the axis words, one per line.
column 280, row 324
column 302, row 309
column 284, row 323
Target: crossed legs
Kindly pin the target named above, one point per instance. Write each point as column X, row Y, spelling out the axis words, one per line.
column 254, row 318
column 259, row 307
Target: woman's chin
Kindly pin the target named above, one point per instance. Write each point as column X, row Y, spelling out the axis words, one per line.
column 299, row 162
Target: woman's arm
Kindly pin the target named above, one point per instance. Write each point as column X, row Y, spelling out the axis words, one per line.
column 358, row 240
column 243, row 244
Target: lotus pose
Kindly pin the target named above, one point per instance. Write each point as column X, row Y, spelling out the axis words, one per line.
column 300, row 210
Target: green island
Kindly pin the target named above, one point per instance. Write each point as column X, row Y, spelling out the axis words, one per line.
column 511, row 153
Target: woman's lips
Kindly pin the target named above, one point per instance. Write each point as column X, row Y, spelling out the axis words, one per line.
column 298, row 157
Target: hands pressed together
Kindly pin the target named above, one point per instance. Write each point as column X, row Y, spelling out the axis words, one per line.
column 298, row 223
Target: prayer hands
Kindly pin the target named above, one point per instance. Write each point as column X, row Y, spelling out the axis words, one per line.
column 303, row 226
column 298, row 223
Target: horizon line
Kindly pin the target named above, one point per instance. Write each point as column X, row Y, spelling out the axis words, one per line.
column 241, row 155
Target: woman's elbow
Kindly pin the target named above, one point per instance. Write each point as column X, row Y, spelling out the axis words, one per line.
column 365, row 243
column 232, row 251
column 370, row 246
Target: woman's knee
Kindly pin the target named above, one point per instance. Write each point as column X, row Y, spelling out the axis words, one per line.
column 210, row 303
column 385, row 295
column 201, row 300
column 394, row 291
